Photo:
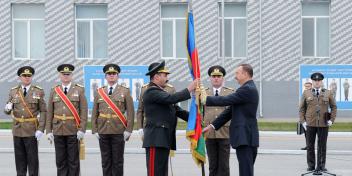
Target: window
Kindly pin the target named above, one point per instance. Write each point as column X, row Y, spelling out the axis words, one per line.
column 28, row 40
column 315, row 29
column 235, row 24
column 173, row 31
column 91, row 31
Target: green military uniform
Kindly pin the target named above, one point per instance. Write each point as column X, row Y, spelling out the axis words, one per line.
column 27, row 104
column 61, row 123
column 314, row 107
column 141, row 119
column 107, row 124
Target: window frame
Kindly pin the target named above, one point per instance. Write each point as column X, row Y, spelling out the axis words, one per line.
column 91, row 32
column 232, row 31
column 173, row 19
column 28, row 29
column 315, row 18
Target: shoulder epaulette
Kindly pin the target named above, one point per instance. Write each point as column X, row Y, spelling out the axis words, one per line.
column 79, row 85
column 207, row 88
column 124, row 87
column 145, row 85
column 229, row 88
column 15, row 87
column 38, row 87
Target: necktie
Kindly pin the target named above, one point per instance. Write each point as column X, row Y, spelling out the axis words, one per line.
column 317, row 90
column 24, row 91
column 216, row 93
column 110, row 91
column 65, row 90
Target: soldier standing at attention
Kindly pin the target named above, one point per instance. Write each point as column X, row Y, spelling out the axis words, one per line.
column 25, row 104
column 314, row 106
column 217, row 142
column 66, row 121
column 110, row 123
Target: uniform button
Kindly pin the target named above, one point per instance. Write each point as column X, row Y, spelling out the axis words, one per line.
column 22, row 116
column 63, row 107
column 109, row 107
column 216, row 109
column 216, row 116
column 108, row 121
column 23, row 109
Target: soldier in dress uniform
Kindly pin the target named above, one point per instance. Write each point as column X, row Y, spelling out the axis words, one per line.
column 161, row 112
column 313, row 111
column 26, row 103
column 217, row 142
column 66, row 121
column 112, row 121
column 141, row 119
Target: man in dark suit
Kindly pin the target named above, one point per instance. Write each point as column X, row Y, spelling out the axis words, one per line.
column 161, row 111
column 243, row 104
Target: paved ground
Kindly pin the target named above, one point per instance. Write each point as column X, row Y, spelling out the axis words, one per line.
column 279, row 154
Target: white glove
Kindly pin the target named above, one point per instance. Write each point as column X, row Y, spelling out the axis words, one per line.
column 50, row 137
column 80, row 135
column 97, row 135
column 304, row 124
column 126, row 135
column 329, row 123
column 8, row 107
column 140, row 133
column 38, row 135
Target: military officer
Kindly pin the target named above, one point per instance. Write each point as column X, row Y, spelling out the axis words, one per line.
column 217, row 142
column 26, row 103
column 314, row 107
column 112, row 121
column 141, row 119
column 66, row 121
column 161, row 112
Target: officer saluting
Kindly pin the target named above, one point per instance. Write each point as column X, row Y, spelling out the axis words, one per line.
column 25, row 104
column 110, row 123
column 217, row 142
column 314, row 107
column 161, row 112
column 66, row 121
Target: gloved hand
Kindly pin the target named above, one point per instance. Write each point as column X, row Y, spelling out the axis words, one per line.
column 38, row 135
column 304, row 124
column 97, row 135
column 126, row 135
column 80, row 135
column 141, row 133
column 50, row 137
column 8, row 107
column 329, row 123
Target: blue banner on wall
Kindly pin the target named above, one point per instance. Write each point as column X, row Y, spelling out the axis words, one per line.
column 132, row 77
column 338, row 79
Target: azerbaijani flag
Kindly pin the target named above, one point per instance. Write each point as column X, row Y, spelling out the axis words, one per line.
column 194, row 126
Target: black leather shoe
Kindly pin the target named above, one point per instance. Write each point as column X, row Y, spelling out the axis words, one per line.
column 310, row 169
column 304, row 148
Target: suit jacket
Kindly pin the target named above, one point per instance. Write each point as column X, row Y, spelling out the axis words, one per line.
column 140, row 111
column 242, row 113
column 121, row 97
column 308, row 107
column 36, row 105
column 162, row 113
column 56, row 106
column 212, row 112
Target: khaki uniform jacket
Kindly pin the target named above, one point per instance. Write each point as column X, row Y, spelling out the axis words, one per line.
column 121, row 96
column 35, row 103
column 141, row 120
column 212, row 112
column 308, row 108
column 57, row 107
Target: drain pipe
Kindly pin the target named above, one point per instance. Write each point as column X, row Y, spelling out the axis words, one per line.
column 260, row 62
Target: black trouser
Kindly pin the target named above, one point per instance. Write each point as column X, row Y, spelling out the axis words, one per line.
column 322, row 133
column 112, row 147
column 218, row 151
column 67, row 155
column 246, row 156
column 26, row 155
column 157, row 161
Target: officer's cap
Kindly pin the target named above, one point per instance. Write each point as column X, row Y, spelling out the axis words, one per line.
column 26, row 70
column 317, row 76
column 111, row 68
column 65, row 68
column 216, row 70
column 157, row 67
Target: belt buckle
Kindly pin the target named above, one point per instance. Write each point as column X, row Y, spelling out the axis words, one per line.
column 64, row 118
column 109, row 116
column 21, row 120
